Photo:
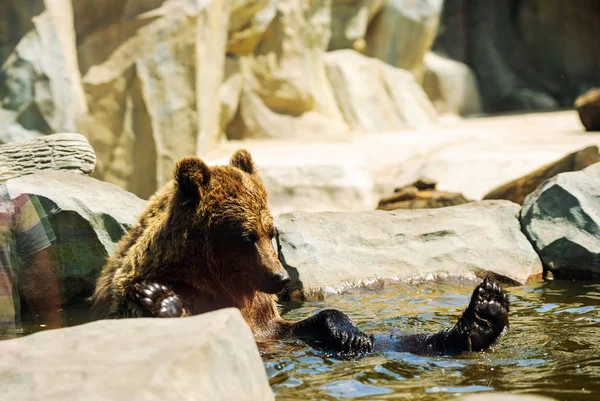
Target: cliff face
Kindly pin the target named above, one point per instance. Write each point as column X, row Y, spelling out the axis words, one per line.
column 526, row 54
column 150, row 81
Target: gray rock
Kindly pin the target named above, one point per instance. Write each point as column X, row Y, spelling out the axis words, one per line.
column 207, row 357
column 326, row 252
column 88, row 218
column 67, row 152
column 562, row 220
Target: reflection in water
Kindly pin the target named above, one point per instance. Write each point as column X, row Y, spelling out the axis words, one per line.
column 25, row 264
column 552, row 348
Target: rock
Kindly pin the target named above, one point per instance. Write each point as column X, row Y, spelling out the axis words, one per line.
column 207, row 71
column 151, row 78
column 469, row 156
column 39, row 75
column 498, row 150
column 421, row 194
column 285, row 92
column 403, row 32
column 349, row 23
column 329, row 251
column 375, row 97
column 588, row 107
column 422, row 184
column 411, row 198
column 562, row 220
column 520, row 60
column 88, row 218
column 518, row 189
column 13, row 132
column 212, row 356
column 67, row 152
column 230, row 92
column 345, row 175
column 451, row 86
column 249, row 20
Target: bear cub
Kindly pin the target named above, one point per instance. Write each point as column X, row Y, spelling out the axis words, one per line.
column 204, row 243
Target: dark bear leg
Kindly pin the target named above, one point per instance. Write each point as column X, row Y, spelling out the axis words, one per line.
column 332, row 331
column 159, row 300
column 479, row 327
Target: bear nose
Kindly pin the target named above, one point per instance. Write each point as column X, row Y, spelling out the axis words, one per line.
column 284, row 278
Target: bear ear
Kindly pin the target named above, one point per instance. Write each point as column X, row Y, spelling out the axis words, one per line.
column 191, row 174
column 242, row 160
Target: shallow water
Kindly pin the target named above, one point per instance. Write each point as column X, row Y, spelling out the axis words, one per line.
column 552, row 347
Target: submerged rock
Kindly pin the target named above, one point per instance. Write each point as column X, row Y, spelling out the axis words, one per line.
column 88, row 218
column 327, row 251
column 210, row 357
column 562, row 221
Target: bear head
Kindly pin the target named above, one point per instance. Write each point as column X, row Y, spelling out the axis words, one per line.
column 229, row 227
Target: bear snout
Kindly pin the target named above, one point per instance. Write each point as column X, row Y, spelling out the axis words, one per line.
column 275, row 282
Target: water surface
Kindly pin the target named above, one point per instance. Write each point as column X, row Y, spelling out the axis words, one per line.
column 552, row 347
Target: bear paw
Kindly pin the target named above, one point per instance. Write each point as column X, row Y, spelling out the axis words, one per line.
column 334, row 331
column 160, row 300
column 487, row 315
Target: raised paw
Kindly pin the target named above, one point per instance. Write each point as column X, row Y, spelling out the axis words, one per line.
column 159, row 300
column 487, row 315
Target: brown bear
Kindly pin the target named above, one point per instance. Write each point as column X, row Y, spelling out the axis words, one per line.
column 204, row 242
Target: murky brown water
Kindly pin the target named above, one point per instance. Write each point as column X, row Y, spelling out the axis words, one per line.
column 552, row 348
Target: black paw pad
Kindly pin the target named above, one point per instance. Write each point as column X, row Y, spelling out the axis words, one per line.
column 159, row 300
column 487, row 315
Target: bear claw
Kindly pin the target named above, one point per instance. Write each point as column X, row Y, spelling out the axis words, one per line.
column 333, row 331
column 159, row 300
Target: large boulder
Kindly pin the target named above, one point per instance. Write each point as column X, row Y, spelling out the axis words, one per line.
column 517, row 190
column 39, row 75
column 451, row 85
column 329, row 251
column 562, row 221
column 249, row 20
column 212, row 357
column 403, row 32
column 588, row 107
column 285, row 92
column 88, row 218
column 374, row 96
column 151, row 73
column 349, row 23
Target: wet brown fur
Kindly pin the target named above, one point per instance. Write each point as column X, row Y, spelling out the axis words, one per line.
column 206, row 235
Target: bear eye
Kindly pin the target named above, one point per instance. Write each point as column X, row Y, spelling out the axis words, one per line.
column 249, row 237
